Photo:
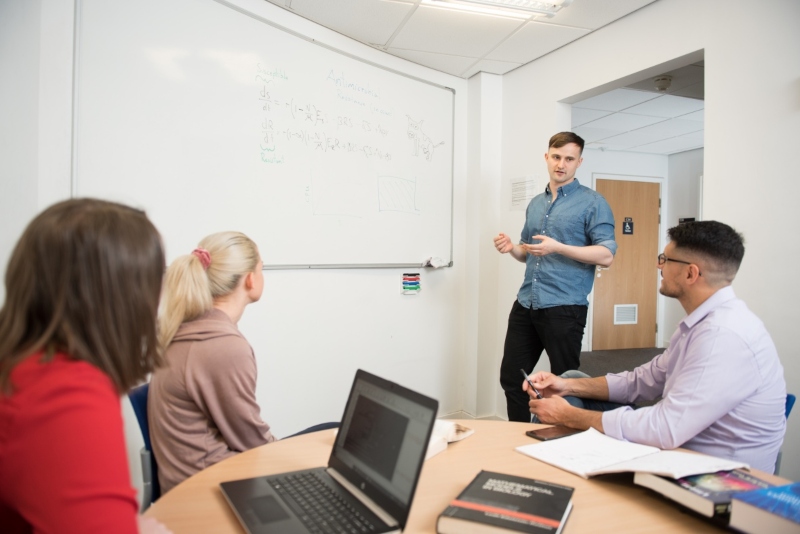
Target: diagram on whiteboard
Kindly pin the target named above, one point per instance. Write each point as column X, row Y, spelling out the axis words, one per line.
column 397, row 194
column 420, row 140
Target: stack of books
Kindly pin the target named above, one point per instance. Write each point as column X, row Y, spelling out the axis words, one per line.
column 707, row 494
column 775, row 510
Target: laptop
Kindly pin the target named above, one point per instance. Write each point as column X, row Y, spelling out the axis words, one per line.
column 371, row 476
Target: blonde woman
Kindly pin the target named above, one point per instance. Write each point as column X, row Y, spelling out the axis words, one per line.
column 202, row 406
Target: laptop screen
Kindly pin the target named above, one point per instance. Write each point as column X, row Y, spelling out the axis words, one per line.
column 382, row 441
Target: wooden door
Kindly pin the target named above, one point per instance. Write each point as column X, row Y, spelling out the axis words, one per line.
column 631, row 281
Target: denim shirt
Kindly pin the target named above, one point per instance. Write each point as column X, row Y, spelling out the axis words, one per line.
column 581, row 217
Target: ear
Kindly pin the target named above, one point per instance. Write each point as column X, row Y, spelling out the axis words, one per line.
column 692, row 273
column 579, row 162
column 249, row 281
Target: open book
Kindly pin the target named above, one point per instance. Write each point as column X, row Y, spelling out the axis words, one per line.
column 593, row 453
column 445, row 432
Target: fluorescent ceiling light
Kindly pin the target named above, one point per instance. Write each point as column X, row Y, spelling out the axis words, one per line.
column 505, row 7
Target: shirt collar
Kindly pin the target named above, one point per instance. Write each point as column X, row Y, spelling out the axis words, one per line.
column 717, row 299
column 565, row 189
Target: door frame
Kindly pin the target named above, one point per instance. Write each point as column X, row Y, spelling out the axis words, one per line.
column 662, row 238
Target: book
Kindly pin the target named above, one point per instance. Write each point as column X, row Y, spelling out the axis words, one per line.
column 445, row 432
column 496, row 502
column 775, row 510
column 593, row 453
column 708, row 494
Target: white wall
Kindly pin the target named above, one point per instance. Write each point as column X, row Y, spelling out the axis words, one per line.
column 19, row 87
column 685, row 170
column 752, row 119
column 312, row 328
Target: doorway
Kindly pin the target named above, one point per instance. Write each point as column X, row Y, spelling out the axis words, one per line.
column 625, row 295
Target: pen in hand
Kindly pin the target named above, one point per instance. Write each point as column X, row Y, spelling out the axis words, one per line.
column 528, row 380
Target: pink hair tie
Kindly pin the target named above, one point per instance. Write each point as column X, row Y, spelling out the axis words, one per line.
column 204, row 257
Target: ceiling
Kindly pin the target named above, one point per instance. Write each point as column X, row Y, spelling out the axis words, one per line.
column 634, row 118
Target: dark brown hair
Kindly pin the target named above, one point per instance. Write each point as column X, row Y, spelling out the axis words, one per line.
column 720, row 245
column 564, row 138
column 85, row 279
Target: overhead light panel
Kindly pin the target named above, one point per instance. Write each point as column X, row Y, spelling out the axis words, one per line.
column 529, row 7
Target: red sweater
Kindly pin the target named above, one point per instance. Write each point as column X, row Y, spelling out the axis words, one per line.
column 63, row 465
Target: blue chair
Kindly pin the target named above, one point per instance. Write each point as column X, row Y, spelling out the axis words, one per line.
column 789, row 404
column 152, row 489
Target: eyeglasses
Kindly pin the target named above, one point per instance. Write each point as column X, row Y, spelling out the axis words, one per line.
column 662, row 259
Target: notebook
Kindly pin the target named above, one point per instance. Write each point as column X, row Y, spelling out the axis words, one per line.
column 372, row 472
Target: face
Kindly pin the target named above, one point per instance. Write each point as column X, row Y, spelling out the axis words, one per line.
column 562, row 163
column 671, row 273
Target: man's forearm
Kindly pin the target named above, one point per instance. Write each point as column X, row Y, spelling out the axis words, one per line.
column 587, row 388
column 583, row 419
column 592, row 254
column 519, row 253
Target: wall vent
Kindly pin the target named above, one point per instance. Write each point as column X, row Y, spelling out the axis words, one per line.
column 626, row 313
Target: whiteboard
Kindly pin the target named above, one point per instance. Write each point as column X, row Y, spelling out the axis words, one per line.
column 212, row 119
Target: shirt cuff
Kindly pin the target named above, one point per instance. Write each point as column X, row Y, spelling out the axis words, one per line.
column 609, row 244
column 612, row 422
column 617, row 388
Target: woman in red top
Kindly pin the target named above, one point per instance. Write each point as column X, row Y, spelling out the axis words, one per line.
column 77, row 330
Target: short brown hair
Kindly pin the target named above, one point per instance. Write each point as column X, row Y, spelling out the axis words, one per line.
column 564, row 138
column 85, row 279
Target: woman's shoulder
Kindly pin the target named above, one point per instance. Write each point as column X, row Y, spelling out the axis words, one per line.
column 59, row 372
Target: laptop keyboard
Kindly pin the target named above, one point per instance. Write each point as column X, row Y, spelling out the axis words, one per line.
column 321, row 509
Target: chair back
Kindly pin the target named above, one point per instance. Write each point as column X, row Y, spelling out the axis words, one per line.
column 138, row 398
column 789, row 403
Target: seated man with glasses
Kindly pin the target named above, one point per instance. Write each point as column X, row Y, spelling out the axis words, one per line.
column 721, row 382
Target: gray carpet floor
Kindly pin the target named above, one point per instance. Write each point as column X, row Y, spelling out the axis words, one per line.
column 600, row 362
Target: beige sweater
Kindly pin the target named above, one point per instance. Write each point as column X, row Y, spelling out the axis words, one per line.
column 202, row 406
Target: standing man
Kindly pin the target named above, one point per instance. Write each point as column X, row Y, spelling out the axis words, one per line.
column 568, row 230
column 721, row 382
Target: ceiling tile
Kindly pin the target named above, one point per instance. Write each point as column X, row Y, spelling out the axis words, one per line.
column 635, row 138
column 594, row 14
column 454, row 65
column 696, row 116
column 368, row 21
column 673, row 145
column 594, row 134
column 622, row 122
column 615, row 100
column 581, row 116
column 603, row 146
column 492, row 67
column 445, row 31
column 667, row 106
column 534, row 40
column 697, row 91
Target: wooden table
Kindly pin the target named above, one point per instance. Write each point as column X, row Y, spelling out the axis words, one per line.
column 609, row 503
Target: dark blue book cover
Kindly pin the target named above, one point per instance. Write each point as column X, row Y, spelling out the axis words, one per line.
column 783, row 501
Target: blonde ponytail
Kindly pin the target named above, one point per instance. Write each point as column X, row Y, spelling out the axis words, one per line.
column 190, row 288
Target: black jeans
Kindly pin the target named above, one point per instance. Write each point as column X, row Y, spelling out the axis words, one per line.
column 558, row 330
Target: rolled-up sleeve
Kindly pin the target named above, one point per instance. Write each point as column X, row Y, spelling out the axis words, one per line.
column 700, row 390
column 600, row 225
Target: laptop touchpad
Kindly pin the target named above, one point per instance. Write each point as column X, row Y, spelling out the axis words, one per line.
column 268, row 509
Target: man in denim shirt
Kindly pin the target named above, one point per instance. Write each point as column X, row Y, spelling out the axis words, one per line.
column 568, row 230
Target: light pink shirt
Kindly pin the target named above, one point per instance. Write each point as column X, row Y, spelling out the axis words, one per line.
column 722, row 386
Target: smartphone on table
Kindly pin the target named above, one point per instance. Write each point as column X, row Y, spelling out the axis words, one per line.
column 552, row 432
